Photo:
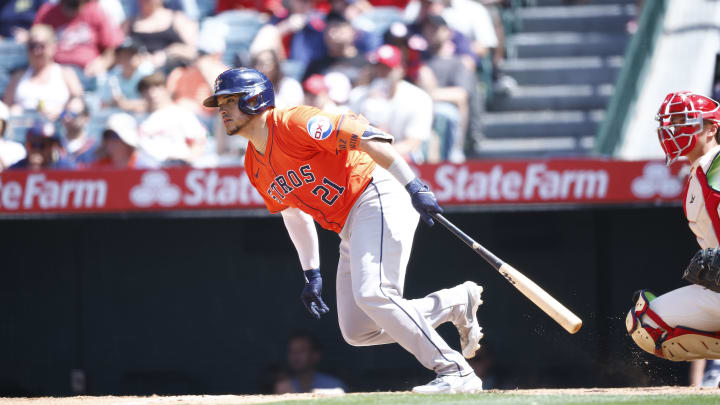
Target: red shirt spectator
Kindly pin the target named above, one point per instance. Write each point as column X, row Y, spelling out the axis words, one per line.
column 390, row 3
column 263, row 6
column 84, row 33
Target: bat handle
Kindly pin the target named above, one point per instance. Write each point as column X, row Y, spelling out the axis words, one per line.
column 478, row 248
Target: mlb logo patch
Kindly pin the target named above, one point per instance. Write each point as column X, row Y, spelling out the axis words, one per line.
column 319, row 127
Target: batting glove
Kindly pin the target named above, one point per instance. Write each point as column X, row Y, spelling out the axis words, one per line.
column 311, row 294
column 423, row 200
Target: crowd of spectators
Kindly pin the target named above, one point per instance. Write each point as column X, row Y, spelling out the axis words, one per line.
column 105, row 83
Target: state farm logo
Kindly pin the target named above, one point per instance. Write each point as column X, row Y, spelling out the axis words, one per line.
column 656, row 180
column 155, row 187
column 200, row 188
column 535, row 182
column 38, row 192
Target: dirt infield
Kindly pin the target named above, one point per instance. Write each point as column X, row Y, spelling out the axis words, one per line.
column 259, row 399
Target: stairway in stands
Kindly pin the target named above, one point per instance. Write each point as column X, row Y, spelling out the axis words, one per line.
column 565, row 58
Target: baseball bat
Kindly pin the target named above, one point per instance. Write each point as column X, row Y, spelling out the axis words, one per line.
column 537, row 295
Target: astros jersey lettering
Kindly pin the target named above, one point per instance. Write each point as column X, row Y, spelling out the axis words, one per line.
column 311, row 162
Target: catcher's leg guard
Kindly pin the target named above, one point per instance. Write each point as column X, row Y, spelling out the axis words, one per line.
column 676, row 344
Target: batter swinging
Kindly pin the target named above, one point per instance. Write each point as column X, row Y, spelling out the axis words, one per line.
column 343, row 173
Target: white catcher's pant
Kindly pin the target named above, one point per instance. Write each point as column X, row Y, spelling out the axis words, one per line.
column 691, row 306
column 374, row 252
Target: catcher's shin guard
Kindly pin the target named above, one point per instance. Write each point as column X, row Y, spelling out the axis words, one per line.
column 677, row 344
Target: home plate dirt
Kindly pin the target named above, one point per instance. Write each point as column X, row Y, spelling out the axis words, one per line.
column 259, row 399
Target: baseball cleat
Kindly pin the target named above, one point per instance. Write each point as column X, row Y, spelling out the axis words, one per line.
column 451, row 384
column 467, row 326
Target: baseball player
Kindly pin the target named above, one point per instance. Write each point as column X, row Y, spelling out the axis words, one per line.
column 684, row 324
column 343, row 173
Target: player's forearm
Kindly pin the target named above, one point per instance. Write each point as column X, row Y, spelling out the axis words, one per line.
column 382, row 152
column 301, row 228
column 385, row 154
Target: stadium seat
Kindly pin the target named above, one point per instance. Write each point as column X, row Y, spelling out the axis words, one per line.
column 14, row 56
column 244, row 25
column 293, row 68
column 378, row 19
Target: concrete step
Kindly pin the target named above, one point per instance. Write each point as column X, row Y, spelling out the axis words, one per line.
column 559, row 97
column 590, row 18
column 526, row 148
column 568, row 70
column 560, row 44
column 541, row 124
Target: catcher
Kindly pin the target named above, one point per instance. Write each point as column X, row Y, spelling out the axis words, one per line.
column 684, row 324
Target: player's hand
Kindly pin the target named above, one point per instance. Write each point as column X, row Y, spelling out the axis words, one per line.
column 423, row 200
column 311, row 294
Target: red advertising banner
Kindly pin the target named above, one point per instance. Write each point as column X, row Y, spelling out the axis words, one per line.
column 475, row 183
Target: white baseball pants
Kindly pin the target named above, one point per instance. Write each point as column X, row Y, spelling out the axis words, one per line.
column 691, row 306
column 374, row 252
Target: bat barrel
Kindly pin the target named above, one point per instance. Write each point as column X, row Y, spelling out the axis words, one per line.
column 563, row 316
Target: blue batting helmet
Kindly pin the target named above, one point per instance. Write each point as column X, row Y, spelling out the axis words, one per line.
column 248, row 83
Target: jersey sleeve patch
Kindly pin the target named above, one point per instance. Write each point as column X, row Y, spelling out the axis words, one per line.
column 374, row 133
column 319, row 127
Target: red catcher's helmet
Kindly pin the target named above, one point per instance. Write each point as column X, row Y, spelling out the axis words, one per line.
column 680, row 121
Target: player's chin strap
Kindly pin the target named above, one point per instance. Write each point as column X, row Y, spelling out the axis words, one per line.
column 677, row 344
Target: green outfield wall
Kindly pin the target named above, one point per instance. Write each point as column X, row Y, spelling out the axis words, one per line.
column 146, row 305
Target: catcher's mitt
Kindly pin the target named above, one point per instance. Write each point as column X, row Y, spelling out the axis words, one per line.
column 704, row 269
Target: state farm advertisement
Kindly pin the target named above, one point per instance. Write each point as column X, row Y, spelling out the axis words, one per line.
column 476, row 183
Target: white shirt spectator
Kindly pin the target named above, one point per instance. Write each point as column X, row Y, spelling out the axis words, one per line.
column 173, row 132
column 10, row 152
column 472, row 20
column 289, row 93
column 468, row 17
column 114, row 9
column 408, row 114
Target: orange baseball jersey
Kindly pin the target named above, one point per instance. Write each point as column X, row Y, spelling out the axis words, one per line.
column 311, row 162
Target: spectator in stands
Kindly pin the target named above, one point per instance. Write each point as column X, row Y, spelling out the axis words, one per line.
column 16, row 17
column 316, row 93
column 114, row 10
column 170, row 36
column 87, row 37
column 329, row 92
column 190, row 85
column 79, row 145
column 349, row 8
column 119, row 88
column 494, row 9
column 269, row 7
column 395, row 105
column 342, row 54
column 44, row 86
column 119, row 145
column 303, row 356
column 471, row 25
column 10, row 151
column 170, row 134
column 301, row 31
column 288, row 91
column 453, row 88
column 189, row 7
column 411, row 45
column 44, row 149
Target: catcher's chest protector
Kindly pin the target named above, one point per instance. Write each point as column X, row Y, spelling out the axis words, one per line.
column 701, row 202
